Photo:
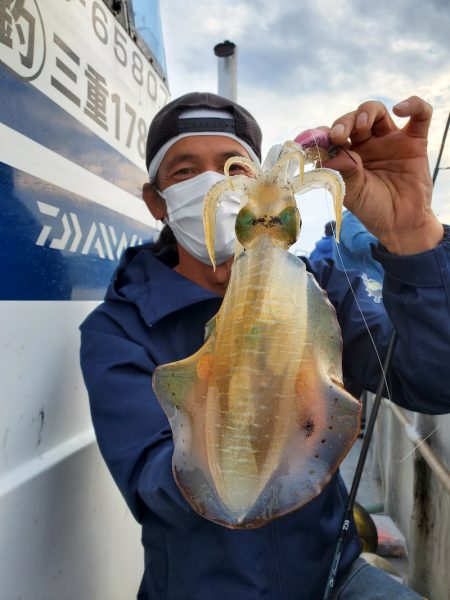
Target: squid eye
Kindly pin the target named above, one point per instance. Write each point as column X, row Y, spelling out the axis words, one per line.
column 288, row 218
column 244, row 224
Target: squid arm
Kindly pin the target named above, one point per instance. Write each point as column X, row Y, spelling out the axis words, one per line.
column 212, row 202
column 210, row 205
column 283, row 165
column 245, row 162
column 272, row 157
column 326, row 179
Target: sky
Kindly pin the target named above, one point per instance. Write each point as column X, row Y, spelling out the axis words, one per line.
column 303, row 64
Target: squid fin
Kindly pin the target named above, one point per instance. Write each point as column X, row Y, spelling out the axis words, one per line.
column 176, row 384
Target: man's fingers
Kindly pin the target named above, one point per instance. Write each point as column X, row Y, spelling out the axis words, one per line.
column 420, row 113
column 340, row 130
column 380, row 121
column 371, row 118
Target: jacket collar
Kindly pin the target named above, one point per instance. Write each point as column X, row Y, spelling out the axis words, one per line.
column 144, row 280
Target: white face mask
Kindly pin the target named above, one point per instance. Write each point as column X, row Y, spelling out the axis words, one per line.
column 184, row 203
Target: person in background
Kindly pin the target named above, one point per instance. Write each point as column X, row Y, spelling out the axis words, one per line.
column 161, row 296
column 324, row 247
column 354, row 251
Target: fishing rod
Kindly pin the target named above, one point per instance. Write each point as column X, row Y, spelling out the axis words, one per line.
column 438, row 162
column 345, row 526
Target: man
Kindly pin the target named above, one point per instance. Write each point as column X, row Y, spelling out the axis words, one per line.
column 161, row 297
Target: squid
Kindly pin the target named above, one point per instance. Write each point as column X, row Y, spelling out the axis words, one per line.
column 259, row 414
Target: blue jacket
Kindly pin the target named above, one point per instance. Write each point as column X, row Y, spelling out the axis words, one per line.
column 323, row 248
column 152, row 315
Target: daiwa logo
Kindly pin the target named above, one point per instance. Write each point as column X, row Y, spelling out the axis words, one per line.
column 98, row 237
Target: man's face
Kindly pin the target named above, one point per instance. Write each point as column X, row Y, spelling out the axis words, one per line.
column 194, row 155
column 186, row 159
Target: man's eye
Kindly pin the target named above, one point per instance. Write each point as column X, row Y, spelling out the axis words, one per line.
column 238, row 169
column 183, row 173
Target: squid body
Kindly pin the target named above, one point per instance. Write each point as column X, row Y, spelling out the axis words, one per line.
column 259, row 415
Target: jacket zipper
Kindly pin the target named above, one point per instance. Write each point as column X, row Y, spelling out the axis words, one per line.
column 276, row 583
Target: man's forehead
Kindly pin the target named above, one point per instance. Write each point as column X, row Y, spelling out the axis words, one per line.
column 198, row 147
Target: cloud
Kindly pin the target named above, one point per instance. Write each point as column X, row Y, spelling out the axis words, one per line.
column 305, row 64
column 306, row 45
column 302, row 50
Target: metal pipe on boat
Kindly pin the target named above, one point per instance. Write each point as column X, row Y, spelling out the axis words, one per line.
column 227, row 69
column 434, row 462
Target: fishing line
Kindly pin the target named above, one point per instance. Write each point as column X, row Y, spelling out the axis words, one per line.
column 380, row 363
column 362, row 316
column 420, row 443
